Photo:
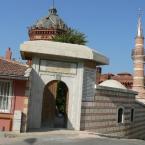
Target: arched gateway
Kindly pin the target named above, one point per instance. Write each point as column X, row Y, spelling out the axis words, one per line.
column 74, row 68
column 54, row 105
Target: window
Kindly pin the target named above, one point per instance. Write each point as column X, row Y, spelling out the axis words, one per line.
column 5, row 95
column 132, row 115
column 120, row 115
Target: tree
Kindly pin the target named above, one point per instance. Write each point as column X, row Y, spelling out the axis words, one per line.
column 71, row 36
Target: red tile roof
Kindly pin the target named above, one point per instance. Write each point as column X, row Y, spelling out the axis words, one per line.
column 12, row 68
column 125, row 78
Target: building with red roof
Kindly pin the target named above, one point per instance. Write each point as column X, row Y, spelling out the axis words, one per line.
column 124, row 78
column 13, row 85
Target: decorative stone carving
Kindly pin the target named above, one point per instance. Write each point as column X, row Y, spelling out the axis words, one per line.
column 58, row 67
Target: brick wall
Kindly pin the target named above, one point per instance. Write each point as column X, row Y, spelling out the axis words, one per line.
column 101, row 114
column 21, row 93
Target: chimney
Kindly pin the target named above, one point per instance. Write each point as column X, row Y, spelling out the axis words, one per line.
column 8, row 54
column 98, row 74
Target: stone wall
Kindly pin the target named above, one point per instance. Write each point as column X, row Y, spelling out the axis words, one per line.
column 89, row 81
column 101, row 114
column 138, row 129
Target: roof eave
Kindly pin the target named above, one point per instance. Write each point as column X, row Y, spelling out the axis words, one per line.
column 28, row 48
column 15, row 77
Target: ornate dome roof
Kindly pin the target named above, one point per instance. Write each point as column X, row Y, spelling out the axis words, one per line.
column 50, row 21
column 112, row 84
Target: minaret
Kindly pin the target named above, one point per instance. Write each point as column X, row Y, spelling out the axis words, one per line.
column 138, row 61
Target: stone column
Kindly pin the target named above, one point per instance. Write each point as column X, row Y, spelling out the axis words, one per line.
column 17, row 121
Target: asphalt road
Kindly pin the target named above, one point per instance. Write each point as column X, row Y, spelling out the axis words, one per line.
column 67, row 139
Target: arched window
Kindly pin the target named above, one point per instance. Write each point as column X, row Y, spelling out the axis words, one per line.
column 132, row 115
column 120, row 115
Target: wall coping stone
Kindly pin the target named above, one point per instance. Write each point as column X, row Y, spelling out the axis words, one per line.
column 61, row 49
column 115, row 91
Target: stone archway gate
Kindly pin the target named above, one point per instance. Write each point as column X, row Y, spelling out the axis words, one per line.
column 75, row 65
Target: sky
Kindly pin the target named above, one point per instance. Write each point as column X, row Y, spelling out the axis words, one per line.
column 110, row 25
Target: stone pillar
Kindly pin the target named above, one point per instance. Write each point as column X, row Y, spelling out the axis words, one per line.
column 17, row 121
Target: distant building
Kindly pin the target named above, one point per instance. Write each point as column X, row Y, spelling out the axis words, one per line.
column 136, row 81
column 125, row 78
column 109, row 97
column 48, row 27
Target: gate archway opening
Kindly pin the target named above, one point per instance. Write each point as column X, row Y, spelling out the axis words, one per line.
column 55, row 105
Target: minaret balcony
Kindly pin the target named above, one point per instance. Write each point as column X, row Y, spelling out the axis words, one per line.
column 137, row 52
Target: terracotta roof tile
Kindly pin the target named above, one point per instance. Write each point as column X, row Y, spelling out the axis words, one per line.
column 11, row 68
column 125, row 78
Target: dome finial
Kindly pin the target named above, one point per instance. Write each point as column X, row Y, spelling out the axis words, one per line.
column 53, row 4
column 53, row 10
column 139, row 26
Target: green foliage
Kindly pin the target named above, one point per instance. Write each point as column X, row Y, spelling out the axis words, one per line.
column 71, row 36
column 61, row 97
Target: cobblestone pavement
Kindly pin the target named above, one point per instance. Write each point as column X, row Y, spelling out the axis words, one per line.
column 65, row 138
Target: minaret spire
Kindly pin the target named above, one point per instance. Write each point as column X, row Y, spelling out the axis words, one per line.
column 139, row 26
column 138, row 61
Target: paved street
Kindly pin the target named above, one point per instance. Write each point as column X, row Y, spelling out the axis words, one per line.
column 65, row 138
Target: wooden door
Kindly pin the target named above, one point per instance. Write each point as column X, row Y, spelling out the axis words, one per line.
column 48, row 106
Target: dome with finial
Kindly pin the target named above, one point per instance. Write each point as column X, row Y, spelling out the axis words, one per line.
column 50, row 21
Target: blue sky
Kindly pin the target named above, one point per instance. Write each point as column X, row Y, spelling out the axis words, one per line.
column 110, row 25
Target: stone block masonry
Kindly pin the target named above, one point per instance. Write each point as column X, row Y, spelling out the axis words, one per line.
column 100, row 115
